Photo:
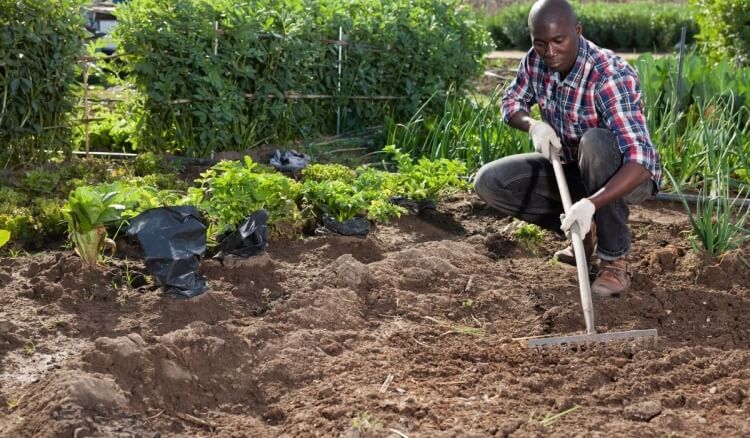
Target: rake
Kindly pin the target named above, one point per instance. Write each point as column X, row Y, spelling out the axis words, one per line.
column 591, row 337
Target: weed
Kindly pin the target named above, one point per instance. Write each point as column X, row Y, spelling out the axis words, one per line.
column 29, row 349
column 530, row 236
column 364, row 421
column 458, row 328
column 468, row 303
column 549, row 419
column 128, row 274
column 554, row 262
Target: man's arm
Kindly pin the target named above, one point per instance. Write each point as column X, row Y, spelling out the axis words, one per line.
column 521, row 120
column 624, row 181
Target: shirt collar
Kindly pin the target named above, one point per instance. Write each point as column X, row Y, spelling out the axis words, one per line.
column 576, row 73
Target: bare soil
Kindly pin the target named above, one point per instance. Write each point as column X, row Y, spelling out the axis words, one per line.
column 407, row 332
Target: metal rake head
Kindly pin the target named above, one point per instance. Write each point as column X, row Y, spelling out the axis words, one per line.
column 641, row 338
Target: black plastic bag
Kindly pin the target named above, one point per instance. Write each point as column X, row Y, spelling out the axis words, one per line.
column 358, row 226
column 289, row 161
column 415, row 207
column 249, row 239
column 173, row 240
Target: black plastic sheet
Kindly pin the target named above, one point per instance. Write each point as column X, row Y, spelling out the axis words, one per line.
column 173, row 240
column 250, row 238
column 289, row 161
column 358, row 226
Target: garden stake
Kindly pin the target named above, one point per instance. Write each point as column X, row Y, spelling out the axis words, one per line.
column 591, row 337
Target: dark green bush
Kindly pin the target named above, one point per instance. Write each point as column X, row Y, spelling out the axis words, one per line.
column 39, row 40
column 623, row 26
column 196, row 80
column 724, row 29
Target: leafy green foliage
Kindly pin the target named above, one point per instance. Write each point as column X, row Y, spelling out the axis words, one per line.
column 195, row 99
column 328, row 172
column 335, row 198
column 4, row 237
column 636, row 26
column 530, row 236
column 232, row 190
column 427, row 179
column 724, row 29
column 39, row 40
column 89, row 210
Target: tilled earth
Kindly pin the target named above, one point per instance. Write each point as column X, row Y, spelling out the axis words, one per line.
column 408, row 332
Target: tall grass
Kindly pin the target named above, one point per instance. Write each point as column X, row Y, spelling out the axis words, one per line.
column 470, row 129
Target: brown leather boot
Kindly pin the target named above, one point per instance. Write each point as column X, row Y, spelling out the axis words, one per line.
column 567, row 255
column 612, row 279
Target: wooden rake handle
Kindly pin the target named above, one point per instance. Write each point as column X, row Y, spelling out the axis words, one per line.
column 580, row 253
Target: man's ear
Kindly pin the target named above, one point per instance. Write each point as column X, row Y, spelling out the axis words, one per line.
column 579, row 29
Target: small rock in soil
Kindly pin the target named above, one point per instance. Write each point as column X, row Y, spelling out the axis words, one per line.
column 643, row 411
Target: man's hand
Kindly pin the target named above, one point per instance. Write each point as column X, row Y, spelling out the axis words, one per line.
column 545, row 139
column 581, row 212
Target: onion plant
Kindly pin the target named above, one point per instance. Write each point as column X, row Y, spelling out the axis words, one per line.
column 720, row 217
column 470, row 128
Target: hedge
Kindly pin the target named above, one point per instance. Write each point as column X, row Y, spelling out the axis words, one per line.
column 617, row 26
column 196, row 80
column 724, row 29
column 39, row 41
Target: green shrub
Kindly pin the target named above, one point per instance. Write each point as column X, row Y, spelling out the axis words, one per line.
column 636, row 26
column 232, row 190
column 39, row 42
column 724, row 29
column 328, row 172
column 195, row 80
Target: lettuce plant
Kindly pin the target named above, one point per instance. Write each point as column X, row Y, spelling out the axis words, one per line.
column 88, row 211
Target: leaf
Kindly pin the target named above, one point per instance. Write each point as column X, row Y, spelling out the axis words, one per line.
column 4, row 237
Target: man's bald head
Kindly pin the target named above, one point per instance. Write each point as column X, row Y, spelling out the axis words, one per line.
column 552, row 11
column 554, row 32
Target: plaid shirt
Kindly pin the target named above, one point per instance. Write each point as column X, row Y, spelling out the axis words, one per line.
column 601, row 91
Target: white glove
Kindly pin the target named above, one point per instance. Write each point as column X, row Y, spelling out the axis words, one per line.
column 581, row 212
column 545, row 139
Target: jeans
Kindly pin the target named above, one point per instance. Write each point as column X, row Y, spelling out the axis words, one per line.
column 524, row 186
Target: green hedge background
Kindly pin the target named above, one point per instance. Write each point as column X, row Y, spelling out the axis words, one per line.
column 39, row 42
column 195, row 79
column 619, row 26
column 725, row 29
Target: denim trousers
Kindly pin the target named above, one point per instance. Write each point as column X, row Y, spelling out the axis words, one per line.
column 524, row 186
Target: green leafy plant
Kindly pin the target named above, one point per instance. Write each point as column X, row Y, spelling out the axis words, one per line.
column 328, row 172
column 427, row 179
column 335, row 198
column 4, row 237
column 88, row 212
column 530, row 236
column 230, row 191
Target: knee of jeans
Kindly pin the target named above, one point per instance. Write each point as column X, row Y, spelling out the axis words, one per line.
column 481, row 183
column 595, row 141
column 598, row 146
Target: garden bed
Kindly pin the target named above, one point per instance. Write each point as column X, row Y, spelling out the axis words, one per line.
column 405, row 332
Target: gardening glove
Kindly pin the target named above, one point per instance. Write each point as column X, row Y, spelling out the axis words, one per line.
column 581, row 212
column 545, row 139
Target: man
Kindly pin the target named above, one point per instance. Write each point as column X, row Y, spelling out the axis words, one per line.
column 592, row 115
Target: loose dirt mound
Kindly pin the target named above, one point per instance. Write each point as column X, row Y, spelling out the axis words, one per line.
column 404, row 333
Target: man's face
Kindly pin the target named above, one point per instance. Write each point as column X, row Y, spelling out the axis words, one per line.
column 557, row 44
